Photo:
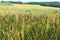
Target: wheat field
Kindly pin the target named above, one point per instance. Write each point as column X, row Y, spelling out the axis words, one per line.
column 29, row 22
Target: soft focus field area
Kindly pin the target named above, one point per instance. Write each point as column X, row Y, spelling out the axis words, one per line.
column 29, row 22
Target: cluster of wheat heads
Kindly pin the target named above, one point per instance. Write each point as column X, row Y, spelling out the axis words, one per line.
column 29, row 23
column 29, row 27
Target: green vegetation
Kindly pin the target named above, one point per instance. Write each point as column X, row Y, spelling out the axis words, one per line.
column 6, row 4
column 29, row 22
column 12, row 2
column 53, row 4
